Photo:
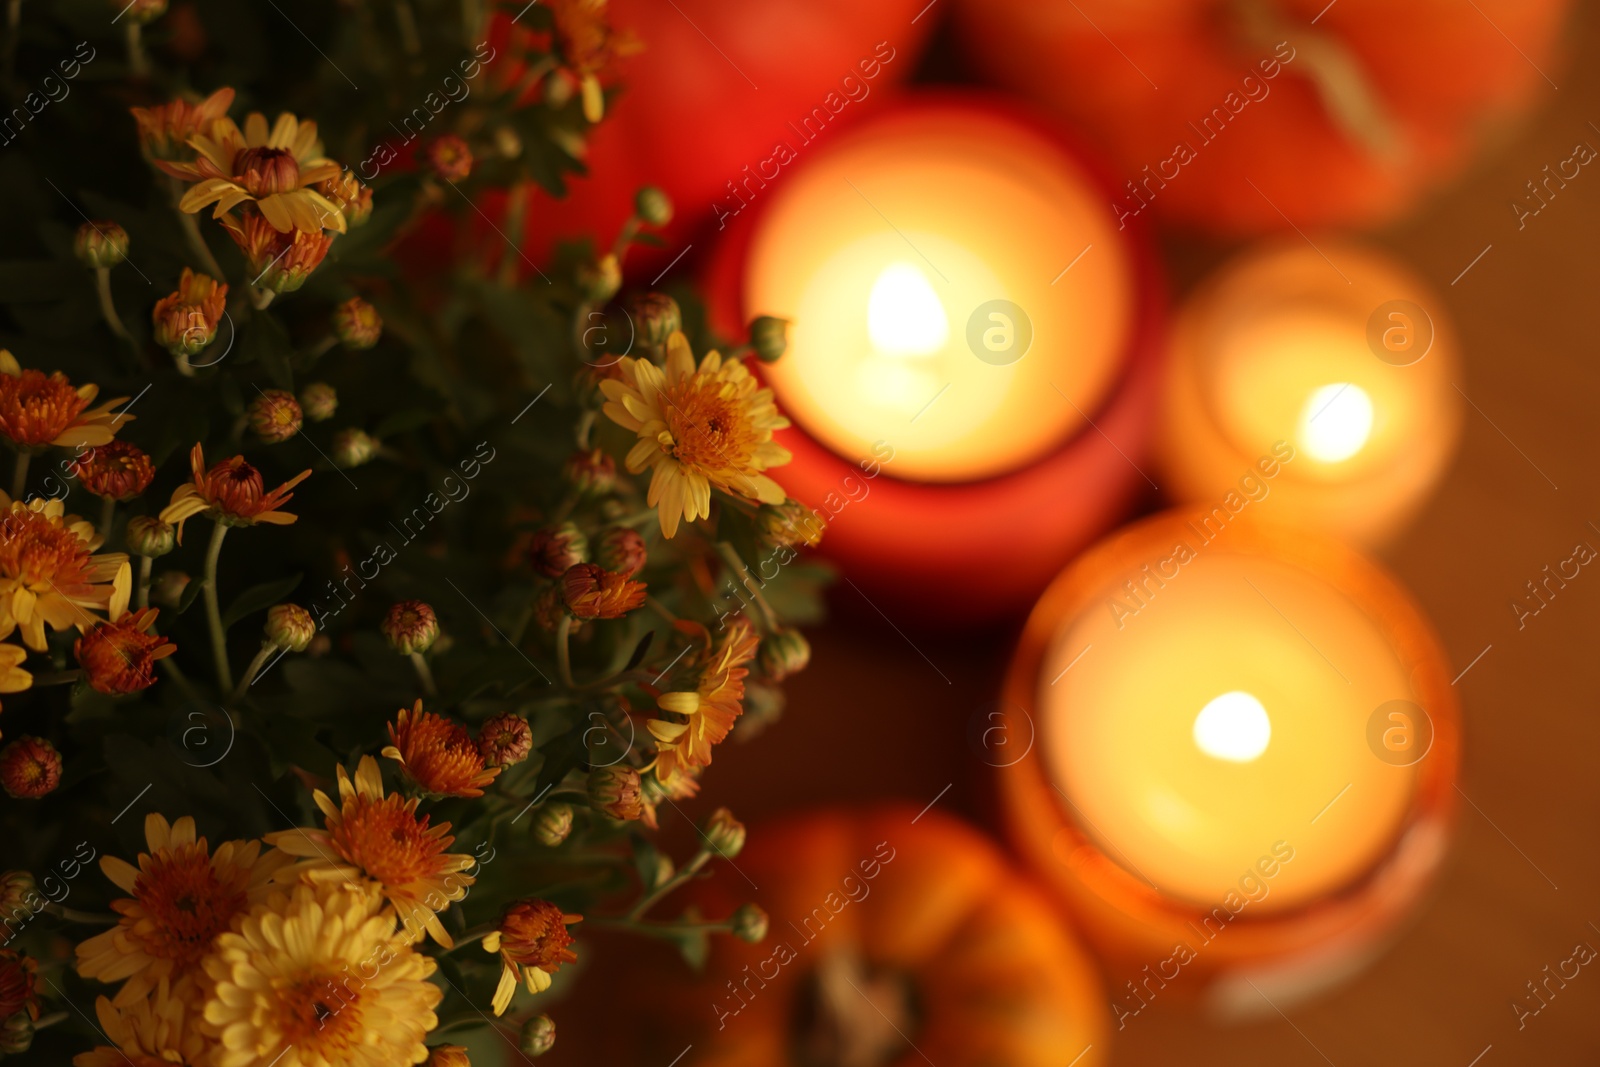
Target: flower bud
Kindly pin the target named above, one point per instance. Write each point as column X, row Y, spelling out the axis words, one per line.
column 410, row 626
column 615, row 791
column 167, row 590
column 663, row 872
column 769, row 336
column 142, row 12
column 749, row 923
column 724, row 834
column 789, row 525
column 357, row 323
column 538, row 1036
column 117, row 470
column 30, row 767
column 318, row 401
column 552, row 825
column 290, row 627
column 450, row 158
column 16, row 1034
column 656, row 317
column 19, row 903
column 353, row 447
column 505, row 740
column 553, row 549
column 149, row 537
column 507, row 142
column 592, row 473
column 100, row 244
column 185, row 320
column 274, row 415
column 349, row 195
column 653, row 206
column 622, row 550
column 784, row 653
column 600, row 280
column 448, row 1056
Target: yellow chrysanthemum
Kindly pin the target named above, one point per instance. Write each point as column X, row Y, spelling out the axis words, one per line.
column 699, row 428
column 319, row 977
column 48, row 572
column 708, row 712
column 276, row 167
column 13, row 679
column 182, row 896
column 381, row 837
column 158, row 1031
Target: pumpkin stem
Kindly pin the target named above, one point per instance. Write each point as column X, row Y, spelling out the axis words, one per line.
column 850, row 1016
column 1348, row 94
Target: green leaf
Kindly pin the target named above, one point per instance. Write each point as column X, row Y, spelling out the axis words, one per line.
column 695, row 945
column 190, row 593
column 258, row 598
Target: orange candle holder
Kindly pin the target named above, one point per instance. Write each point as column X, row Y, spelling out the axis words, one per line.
column 959, row 535
column 1335, row 349
column 1237, row 954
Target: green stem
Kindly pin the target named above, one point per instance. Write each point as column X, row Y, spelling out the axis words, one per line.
column 219, row 637
column 260, row 298
column 564, row 651
column 625, row 236
column 50, row 1020
column 730, row 556
column 669, row 930
column 19, row 476
column 649, row 900
column 190, row 224
column 424, row 675
column 56, row 678
column 138, row 64
column 268, row 649
column 102, row 285
column 108, row 512
column 322, row 348
column 142, row 592
column 516, row 230
column 73, row 915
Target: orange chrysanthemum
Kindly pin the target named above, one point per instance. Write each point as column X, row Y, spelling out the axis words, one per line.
column 589, row 44
column 279, row 261
column 164, row 131
column 17, row 989
column 706, row 713
column 186, row 319
column 274, row 167
column 120, row 657
column 380, row 836
column 532, row 941
column 230, row 493
column 592, row 592
column 48, row 574
column 37, row 409
column 183, row 896
column 118, row 469
column 437, row 754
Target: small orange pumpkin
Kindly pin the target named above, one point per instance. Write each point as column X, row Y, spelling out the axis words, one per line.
column 892, row 938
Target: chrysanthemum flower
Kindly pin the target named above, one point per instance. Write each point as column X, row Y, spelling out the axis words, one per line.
column 48, row 573
column 164, row 131
column 588, row 45
column 448, row 1056
column 155, row 1031
column 30, row 767
column 698, row 429
column 182, row 896
column 450, row 157
column 275, row 168
column 505, row 740
column 13, row 679
column 17, row 990
column 532, row 941
column 380, row 836
column 438, row 755
column 318, row 977
column 37, row 409
column 186, row 319
column 592, row 592
column 230, row 493
column 709, row 710
column 119, row 657
column 117, row 469
column 279, row 261
column 351, row 196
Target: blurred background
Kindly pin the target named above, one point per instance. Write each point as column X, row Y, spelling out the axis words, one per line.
column 887, row 706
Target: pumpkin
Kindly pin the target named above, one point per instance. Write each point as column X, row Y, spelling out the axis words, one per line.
column 892, row 938
column 1272, row 112
column 715, row 86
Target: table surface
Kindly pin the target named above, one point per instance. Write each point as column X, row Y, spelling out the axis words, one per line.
column 1522, row 885
column 890, row 701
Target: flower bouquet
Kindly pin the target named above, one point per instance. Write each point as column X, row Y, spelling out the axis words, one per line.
column 372, row 587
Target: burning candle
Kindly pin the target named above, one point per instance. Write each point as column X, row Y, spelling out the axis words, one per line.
column 971, row 347
column 1335, row 349
column 1252, row 734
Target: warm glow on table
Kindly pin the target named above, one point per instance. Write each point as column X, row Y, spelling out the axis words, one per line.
column 1223, row 716
column 882, row 246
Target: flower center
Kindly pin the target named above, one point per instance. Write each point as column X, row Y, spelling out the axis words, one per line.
column 186, row 905
column 36, row 408
column 386, row 841
column 266, row 171
column 39, row 553
column 710, row 431
column 320, row 1014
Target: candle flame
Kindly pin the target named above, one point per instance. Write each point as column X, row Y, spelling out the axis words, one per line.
column 904, row 315
column 1233, row 727
column 1336, row 421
